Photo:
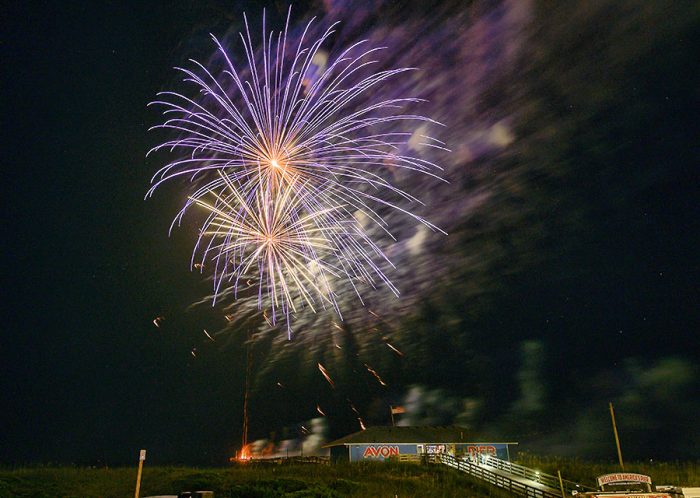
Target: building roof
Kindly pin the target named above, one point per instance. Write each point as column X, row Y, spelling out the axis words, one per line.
column 416, row 434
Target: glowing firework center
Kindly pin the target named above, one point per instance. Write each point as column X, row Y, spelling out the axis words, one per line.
column 408, row 444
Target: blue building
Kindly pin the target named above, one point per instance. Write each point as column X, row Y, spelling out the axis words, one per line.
column 403, row 444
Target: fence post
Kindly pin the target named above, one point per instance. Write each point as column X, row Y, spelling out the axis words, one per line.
column 561, row 485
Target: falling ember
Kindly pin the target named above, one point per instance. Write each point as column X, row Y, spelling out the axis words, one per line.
column 318, row 409
column 229, row 318
column 267, row 319
column 337, row 326
column 280, row 385
column 338, row 346
column 194, row 352
column 359, row 418
column 209, row 336
column 374, row 372
column 352, row 407
column 305, row 430
column 157, row 320
column 199, row 266
column 324, row 372
column 394, row 349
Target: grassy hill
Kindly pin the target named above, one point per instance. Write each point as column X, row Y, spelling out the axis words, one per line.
column 249, row 481
column 305, row 481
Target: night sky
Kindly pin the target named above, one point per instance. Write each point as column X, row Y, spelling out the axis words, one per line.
column 569, row 277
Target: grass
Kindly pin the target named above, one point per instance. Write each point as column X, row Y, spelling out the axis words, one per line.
column 249, row 481
column 308, row 481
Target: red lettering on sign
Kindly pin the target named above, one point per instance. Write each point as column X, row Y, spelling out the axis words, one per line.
column 380, row 451
column 481, row 450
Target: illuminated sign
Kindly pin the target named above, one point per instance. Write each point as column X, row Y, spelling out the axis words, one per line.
column 435, row 448
column 475, row 451
column 623, row 477
column 382, row 451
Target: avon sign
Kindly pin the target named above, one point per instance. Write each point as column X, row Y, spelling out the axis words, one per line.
column 382, row 451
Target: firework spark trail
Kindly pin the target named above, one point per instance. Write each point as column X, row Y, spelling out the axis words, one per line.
column 285, row 136
column 359, row 417
column 324, row 372
column 375, row 374
column 399, row 353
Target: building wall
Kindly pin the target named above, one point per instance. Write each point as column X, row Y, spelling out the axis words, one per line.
column 384, row 451
column 339, row 454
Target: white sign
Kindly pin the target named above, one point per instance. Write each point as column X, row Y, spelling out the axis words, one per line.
column 623, row 477
column 142, row 455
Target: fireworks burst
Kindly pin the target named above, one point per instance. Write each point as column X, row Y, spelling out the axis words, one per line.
column 295, row 252
column 288, row 158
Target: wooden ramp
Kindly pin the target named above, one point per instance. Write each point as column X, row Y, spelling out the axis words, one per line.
column 511, row 477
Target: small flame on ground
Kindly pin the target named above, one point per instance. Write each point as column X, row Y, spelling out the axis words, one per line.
column 244, row 455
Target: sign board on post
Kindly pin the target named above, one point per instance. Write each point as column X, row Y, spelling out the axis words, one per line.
column 623, row 477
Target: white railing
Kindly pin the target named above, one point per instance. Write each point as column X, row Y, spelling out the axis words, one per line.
column 533, row 475
column 493, row 478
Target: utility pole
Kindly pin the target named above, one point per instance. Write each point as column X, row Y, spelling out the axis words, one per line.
column 249, row 361
column 617, row 438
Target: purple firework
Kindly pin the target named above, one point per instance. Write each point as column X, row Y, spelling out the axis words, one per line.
column 297, row 137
